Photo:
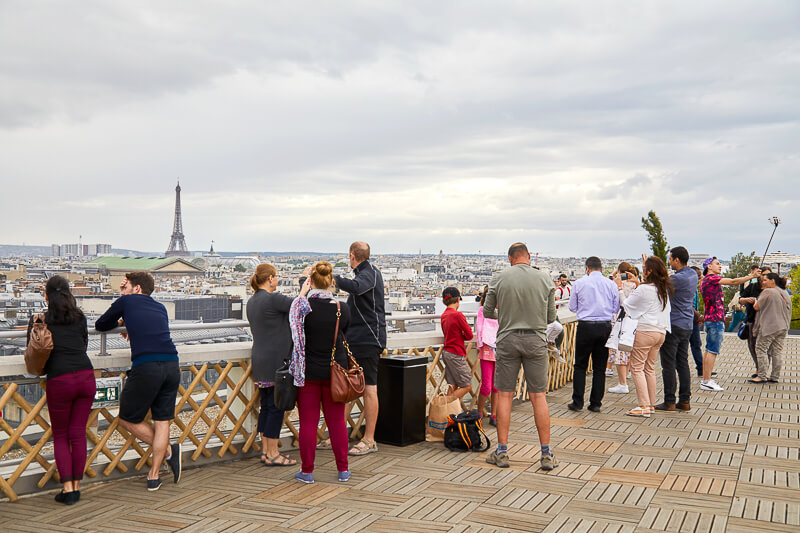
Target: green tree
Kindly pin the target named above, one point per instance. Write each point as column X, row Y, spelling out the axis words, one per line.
column 655, row 234
column 740, row 266
column 240, row 268
column 794, row 286
column 341, row 264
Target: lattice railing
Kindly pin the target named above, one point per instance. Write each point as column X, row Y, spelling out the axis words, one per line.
column 215, row 421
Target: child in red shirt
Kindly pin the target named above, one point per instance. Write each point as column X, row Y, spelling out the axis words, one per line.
column 456, row 330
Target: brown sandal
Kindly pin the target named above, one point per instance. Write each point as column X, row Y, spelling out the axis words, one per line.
column 279, row 460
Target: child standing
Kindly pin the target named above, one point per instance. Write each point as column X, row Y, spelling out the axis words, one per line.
column 486, row 340
column 456, row 331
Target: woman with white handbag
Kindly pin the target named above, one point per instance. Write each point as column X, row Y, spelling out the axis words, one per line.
column 649, row 305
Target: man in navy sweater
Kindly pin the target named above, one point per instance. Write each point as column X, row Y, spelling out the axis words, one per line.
column 152, row 382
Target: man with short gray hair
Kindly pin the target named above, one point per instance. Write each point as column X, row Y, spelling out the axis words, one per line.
column 521, row 299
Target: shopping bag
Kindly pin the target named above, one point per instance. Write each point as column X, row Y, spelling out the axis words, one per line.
column 627, row 334
column 613, row 338
column 441, row 408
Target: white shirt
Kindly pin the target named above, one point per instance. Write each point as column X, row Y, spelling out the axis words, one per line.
column 643, row 305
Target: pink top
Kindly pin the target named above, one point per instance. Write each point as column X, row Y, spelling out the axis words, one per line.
column 485, row 330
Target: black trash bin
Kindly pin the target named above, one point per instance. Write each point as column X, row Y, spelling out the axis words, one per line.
column 401, row 394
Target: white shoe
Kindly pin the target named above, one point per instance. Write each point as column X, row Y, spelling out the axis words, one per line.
column 619, row 389
column 609, row 372
column 711, row 385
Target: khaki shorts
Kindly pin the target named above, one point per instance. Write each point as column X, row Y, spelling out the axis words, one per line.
column 456, row 369
column 527, row 349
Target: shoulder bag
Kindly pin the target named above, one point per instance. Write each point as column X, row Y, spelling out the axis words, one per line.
column 39, row 346
column 346, row 385
column 285, row 389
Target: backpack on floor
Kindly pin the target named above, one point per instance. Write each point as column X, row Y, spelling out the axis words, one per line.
column 463, row 433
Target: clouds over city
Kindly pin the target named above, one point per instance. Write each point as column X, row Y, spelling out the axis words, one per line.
column 457, row 126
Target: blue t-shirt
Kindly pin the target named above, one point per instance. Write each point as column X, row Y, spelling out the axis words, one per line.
column 147, row 323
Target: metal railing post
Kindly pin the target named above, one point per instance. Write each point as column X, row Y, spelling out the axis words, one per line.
column 103, row 344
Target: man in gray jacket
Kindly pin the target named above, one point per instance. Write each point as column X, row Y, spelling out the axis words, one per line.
column 366, row 333
column 521, row 298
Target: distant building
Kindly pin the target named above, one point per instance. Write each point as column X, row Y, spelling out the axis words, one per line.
column 157, row 266
column 79, row 250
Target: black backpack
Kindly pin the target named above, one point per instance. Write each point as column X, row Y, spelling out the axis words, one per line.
column 463, row 433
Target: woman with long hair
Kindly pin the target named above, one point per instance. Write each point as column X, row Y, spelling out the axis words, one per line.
column 649, row 304
column 617, row 357
column 774, row 316
column 486, row 340
column 268, row 314
column 70, row 385
column 319, row 323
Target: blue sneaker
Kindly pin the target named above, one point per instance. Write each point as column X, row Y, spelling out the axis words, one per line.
column 304, row 478
column 344, row 477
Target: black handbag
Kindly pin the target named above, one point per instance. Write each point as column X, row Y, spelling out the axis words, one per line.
column 285, row 389
column 463, row 433
column 744, row 331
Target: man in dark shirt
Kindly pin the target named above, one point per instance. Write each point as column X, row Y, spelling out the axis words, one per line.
column 152, row 382
column 675, row 350
column 748, row 294
column 366, row 334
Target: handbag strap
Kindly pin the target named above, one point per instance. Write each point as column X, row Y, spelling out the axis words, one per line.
column 336, row 331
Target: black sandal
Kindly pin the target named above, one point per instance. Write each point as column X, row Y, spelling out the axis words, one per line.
column 280, row 460
column 760, row 381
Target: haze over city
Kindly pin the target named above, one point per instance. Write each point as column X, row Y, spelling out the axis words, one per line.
column 413, row 126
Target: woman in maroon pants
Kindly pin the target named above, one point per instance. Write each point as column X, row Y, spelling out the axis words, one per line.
column 70, row 385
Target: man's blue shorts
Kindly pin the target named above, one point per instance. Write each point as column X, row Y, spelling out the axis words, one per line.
column 714, row 336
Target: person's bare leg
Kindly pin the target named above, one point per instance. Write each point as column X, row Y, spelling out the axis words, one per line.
column 460, row 392
column 493, row 399
column 503, row 413
column 482, row 404
column 159, row 446
column 69, row 486
column 142, row 431
column 622, row 374
column 370, row 411
column 541, row 415
column 708, row 365
column 271, row 447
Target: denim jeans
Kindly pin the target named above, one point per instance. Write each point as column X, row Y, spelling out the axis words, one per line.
column 697, row 347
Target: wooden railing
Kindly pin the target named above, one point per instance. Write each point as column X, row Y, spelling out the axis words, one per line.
column 215, row 421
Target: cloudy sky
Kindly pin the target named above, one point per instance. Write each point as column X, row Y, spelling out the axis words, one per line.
column 461, row 126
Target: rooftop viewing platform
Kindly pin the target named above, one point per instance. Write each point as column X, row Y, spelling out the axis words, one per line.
column 730, row 464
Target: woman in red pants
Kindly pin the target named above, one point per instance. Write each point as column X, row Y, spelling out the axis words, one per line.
column 319, row 322
column 70, row 385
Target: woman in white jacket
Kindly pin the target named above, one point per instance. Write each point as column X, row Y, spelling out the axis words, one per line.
column 649, row 304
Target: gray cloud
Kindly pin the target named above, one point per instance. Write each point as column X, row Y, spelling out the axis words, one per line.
column 300, row 125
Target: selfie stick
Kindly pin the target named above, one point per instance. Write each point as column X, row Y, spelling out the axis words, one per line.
column 775, row 221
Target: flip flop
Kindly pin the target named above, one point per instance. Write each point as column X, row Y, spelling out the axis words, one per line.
column 324, row 444
column 760, row 381
column 280, row 460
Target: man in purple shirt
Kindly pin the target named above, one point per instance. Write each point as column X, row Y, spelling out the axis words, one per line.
column 594, row 299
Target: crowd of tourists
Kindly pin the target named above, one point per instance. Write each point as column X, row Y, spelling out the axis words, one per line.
column 516, row 328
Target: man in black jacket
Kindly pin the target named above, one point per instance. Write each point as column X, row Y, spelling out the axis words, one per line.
column 748, row 296
column 366, row 333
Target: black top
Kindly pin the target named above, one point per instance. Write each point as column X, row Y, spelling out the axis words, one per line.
column 320, row 324
column 69, row 347
column 750, row 290
column 147, row 323
column 268, row 314
column 366, row 305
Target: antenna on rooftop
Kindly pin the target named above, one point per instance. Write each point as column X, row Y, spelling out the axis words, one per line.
column 775, row 221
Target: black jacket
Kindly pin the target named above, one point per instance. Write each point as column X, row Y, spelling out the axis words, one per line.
column 750, row 290
column 367, row 310
column 268, row 314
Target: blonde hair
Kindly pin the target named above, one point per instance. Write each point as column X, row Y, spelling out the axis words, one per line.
column 322, row 275
column 264, row 271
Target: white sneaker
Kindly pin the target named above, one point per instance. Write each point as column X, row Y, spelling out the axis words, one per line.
column 711, row 385
column 609, row 372
column 619, row 389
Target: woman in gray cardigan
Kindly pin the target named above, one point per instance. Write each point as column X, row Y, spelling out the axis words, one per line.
column 268, row 314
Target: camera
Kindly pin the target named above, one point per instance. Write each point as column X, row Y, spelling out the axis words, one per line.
column 623, row 276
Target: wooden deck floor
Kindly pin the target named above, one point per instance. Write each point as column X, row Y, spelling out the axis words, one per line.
column 731, row 464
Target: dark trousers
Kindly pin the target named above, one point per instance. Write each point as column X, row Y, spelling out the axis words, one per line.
column 675, row 357
column 270, row 418
column 590, row 341
column 697, row 347
column 751, row 345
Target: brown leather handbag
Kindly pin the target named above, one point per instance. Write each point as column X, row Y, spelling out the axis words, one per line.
column 346, row 385
column 40, row 344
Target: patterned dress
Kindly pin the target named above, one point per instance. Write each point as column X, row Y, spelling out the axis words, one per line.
column 618, row 357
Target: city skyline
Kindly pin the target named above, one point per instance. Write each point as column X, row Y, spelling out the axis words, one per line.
column 450, row 126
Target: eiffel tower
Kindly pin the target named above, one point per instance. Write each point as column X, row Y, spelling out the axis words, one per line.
column 177, row 244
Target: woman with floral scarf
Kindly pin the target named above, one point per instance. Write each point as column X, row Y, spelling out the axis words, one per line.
column 313, row 320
